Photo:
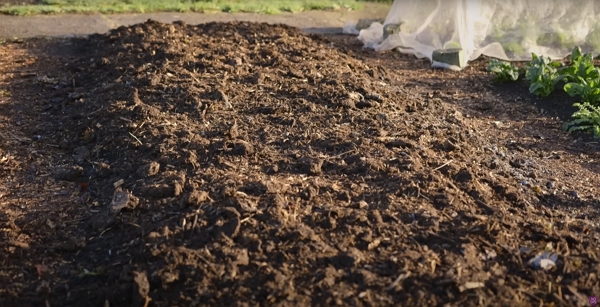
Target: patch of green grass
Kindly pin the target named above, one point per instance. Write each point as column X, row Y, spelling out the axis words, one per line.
column 147, row 6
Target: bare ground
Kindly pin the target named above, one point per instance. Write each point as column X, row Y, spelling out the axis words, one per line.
column 241, row 164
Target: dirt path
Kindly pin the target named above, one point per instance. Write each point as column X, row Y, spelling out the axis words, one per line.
column 241, row 164
column 81, row 24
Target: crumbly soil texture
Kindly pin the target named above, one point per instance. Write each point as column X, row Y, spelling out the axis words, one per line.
column 243, row 164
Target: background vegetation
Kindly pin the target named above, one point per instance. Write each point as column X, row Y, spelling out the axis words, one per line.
column 33, row 7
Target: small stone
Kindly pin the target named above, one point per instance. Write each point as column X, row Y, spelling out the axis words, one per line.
column 550, row 185
column 544, row 261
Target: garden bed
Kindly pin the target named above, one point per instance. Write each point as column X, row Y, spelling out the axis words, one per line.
column 241, row 164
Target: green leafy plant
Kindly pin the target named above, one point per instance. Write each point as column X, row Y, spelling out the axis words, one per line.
column 587, row 89
column 581, row 68
column 582, row 79
column 542, row 74
column 504, row 71
column 586, row 119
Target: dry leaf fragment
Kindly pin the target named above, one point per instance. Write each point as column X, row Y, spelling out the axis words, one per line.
column 471, row 285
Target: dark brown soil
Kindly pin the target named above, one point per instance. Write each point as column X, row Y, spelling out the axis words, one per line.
column 236, row 164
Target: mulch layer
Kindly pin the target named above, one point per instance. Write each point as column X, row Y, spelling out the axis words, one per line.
column 244, row 164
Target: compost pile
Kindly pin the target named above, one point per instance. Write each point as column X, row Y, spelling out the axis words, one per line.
column 241, row 164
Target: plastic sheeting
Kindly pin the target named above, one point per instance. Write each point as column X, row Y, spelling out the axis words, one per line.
column 505, row 29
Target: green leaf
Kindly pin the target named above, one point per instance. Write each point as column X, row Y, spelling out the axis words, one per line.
column 573, row 89
column 538, row 89
column 554, row 64
column 586, row 118
column 558, row 79
column 575, row 54
column 569, row 70
column 504, row 71
column 533, row 73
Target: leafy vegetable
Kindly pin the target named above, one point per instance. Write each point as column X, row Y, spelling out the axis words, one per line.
column 582, row 66
column 543, row 75
column 587, row 89
column 504, row 71
column 582, row 79
column 587, row 118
